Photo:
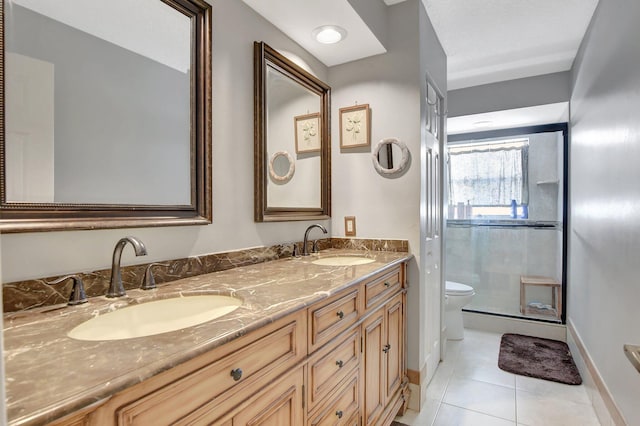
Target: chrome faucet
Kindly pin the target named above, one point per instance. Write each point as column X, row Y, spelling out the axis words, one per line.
column 116, row 289
column 305, row 249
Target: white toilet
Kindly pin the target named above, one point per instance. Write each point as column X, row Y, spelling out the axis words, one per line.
column 457, row 296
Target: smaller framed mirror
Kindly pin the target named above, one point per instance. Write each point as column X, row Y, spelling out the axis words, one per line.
column 391, row 157
column 281, row 167
column 292, row 143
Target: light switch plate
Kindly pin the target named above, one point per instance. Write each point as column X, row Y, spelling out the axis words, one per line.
column 350, row 226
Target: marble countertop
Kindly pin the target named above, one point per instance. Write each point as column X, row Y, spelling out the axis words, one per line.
column 49, row 375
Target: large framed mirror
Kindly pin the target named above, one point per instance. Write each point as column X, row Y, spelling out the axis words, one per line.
column 106, row 118
column 291, row 119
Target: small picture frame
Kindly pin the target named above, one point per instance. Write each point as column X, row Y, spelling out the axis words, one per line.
column 308, row 132
column 355, row 126
column 350, row 226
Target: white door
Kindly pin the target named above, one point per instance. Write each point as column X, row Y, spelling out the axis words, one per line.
column 432, row 226
column 29, row 85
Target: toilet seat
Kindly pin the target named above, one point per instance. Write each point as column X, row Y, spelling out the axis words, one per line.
column 453, row 288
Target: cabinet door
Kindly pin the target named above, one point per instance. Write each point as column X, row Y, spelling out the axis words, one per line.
column 394, row 349
column 374, row 365
column 278, row 405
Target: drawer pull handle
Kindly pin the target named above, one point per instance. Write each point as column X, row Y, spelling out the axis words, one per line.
column 340, row 314
column 236, row 374
column 339, row 363
column 387, row 284
column 339, row 414
column 386, row 348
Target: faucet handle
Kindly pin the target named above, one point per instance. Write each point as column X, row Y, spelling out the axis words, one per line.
column 77, row 295
column 294, row 250
column 149, row 282
column 314, row 247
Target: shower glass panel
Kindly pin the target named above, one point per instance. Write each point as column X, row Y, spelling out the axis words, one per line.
column 510, row 223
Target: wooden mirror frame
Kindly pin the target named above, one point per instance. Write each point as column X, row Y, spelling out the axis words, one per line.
column 264, row 55
column 34, row 217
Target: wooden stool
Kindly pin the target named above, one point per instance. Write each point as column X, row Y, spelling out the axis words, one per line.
column 556, row 293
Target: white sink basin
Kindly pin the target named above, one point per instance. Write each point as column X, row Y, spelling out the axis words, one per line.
column 342, row 261
column 159, row 316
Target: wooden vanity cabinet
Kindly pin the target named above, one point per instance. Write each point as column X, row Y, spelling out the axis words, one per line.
column 341, row 361
column 382, row 381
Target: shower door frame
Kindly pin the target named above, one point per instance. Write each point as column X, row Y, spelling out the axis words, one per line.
column 519, row 131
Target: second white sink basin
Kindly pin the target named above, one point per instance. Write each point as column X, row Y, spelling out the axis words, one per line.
column 342, row 261
column 159, row 316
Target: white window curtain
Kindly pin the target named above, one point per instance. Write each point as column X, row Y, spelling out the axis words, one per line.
column 489, row 174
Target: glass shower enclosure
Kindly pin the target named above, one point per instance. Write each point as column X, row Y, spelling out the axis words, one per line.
column 506, row 211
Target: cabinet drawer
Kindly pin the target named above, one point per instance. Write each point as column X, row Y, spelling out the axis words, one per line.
column 380, row 288
column 280, row 404
column 329, row 318
column 331, row 365
column 342, row 409
column 270, row 354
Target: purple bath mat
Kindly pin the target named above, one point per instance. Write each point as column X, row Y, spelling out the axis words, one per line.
column 537, row 357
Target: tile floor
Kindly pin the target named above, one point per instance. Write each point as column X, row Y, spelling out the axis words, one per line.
column 469, row 389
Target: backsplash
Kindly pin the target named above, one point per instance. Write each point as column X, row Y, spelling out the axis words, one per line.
column 29, row 294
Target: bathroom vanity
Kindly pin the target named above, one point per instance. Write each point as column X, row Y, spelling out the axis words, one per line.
column 311, row 344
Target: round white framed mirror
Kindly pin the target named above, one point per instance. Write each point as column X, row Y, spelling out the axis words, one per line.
column 390, row 156
column 281, row 167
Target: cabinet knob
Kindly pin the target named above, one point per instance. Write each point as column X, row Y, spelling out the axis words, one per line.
column 340, row 314
column 339, row 363
column 236, row 374
column 387, row 284
column 386, row 348
column 339, row 414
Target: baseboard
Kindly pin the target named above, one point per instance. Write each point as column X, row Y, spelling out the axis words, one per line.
column 414, row 397
column 418, row 387
column 498, row 324
column 414, row 377
column 602, row 400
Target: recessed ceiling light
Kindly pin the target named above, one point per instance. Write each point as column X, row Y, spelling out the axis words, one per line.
column 329, row 34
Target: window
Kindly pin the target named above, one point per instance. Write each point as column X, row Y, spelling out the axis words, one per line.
column 486, row 176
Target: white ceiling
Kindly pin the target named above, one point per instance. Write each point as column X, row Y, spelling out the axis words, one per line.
column 486, row 41
column 520, row 117
column 496, row 40
column 297, row 19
